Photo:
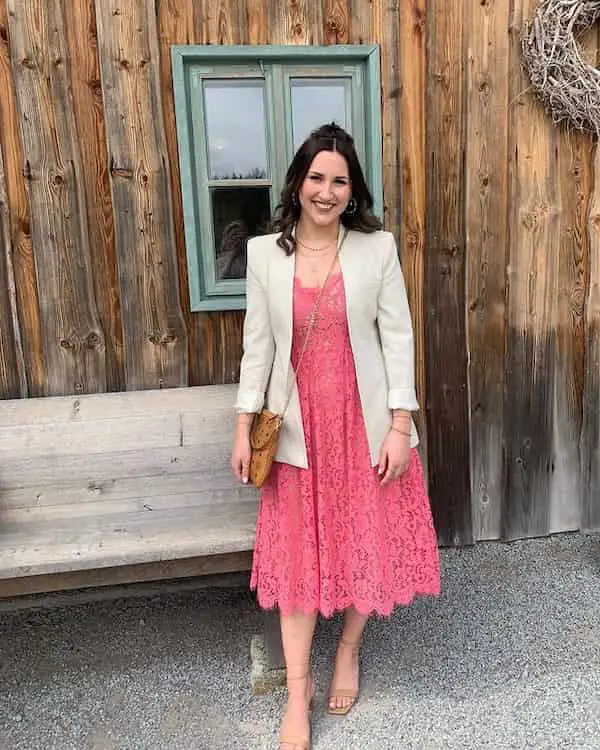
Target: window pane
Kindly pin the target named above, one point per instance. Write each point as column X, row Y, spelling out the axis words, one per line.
column 238, row 213
column 235, row 129
column 316, row 101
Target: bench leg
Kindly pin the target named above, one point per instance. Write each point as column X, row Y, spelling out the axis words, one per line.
column 268, row 665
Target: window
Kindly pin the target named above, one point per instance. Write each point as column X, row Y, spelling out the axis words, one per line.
column 241, row 114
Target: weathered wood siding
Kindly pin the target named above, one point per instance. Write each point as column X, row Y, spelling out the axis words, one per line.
column 447, row 350
column 12, row 380
column 487, row 182
column 496, row 211
column 72, row 337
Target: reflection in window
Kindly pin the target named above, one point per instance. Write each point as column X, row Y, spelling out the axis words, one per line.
column 235, row 125
column 318, row 100
column 238, row 214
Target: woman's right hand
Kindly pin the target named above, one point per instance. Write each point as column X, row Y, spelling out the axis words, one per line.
column 240, row 456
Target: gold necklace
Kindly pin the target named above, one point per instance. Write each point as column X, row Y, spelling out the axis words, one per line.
column 315, row 260
column 315, row 249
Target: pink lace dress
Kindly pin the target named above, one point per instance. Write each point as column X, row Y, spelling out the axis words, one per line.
column 330, row 536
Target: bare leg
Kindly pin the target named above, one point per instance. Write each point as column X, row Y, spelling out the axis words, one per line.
column 346, row 673
column 296, row 636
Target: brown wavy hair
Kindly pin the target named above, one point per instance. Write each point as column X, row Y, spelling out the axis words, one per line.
column 329, row 137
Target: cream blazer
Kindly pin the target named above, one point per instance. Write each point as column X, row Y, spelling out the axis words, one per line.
column 380, row 334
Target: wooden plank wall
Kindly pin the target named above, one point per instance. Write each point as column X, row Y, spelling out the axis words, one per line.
column 139, row 175
column 496, row 211
column 72, row 337
column 12, row 381
column 447, row 389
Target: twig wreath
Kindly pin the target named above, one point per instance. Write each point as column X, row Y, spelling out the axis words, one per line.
column 568, row 86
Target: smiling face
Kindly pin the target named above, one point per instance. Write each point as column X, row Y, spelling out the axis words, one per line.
column 326, row 189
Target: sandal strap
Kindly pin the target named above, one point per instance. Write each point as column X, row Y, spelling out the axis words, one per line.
column 341, row 693
column 309, row 684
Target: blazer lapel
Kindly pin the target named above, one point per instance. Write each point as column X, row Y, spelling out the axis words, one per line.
column 352, row 273
column 282, row 280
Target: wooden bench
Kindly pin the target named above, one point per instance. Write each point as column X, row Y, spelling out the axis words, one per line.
column 118, row 488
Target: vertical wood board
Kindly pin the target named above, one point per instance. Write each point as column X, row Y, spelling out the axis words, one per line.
column 575, row 180
column 73, row 339
column 412, row 147
column 225, row 21
column 12, row 373
column 80, row 22
column 388, row 30
column 155, row 338
column 336, row 21
column 590, row 434
column 179, row 23
column 531, row 337
column 288, row 22
column 362, row 30
column 486, row 204
column 447, row 388
column 19, row 219
column 258, row 30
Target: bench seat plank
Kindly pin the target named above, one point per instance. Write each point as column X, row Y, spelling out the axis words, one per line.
column 218, row 486
column 28, row 471
column 98, row 435
column 104, row 507
column 28, row 549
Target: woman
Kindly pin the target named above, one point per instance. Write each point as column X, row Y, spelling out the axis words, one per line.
column 344, row 520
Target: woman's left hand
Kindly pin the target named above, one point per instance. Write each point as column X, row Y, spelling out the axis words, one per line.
column 394, row 456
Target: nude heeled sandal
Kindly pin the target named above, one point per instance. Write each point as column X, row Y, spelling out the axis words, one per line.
column 343, row 692
column 296, row 743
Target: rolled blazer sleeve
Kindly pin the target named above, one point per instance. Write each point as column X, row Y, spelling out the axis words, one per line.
column 396, row 333
column 258, row 344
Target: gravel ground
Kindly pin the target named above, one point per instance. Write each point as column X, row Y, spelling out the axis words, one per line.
column 508, row 657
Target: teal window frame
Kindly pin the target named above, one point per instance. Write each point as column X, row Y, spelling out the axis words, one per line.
column 191, row 65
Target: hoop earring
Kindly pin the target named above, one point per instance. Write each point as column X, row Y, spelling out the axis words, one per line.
column 295, row 200
column 352, row 207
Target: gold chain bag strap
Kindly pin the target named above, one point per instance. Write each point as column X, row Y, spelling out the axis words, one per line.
column 264, row 436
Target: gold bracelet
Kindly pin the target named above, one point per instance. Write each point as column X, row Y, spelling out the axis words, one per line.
column 402, row 432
